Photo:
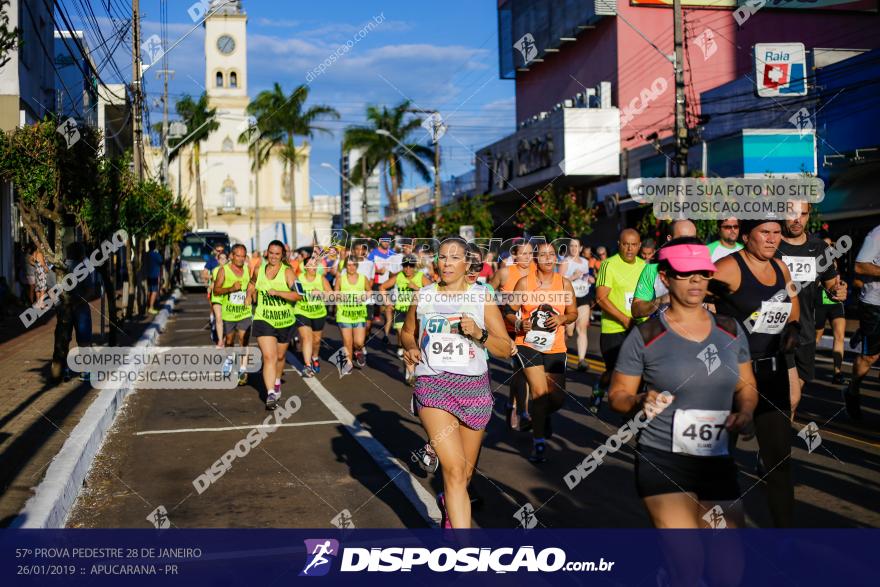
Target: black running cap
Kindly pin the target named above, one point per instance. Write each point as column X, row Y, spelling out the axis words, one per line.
column 747, row 226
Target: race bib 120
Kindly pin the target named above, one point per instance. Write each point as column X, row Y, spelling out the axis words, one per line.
column 801, row 268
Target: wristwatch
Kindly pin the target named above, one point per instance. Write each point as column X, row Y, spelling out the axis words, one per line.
column 484, row 337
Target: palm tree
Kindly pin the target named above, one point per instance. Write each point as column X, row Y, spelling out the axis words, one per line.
column 259, row 150
column 388, row 151
column 200, row 122
column 280, row 119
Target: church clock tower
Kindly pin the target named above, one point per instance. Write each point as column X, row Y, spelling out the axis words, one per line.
column 226, row 55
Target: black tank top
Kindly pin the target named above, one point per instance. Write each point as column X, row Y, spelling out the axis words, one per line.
column 747, row 299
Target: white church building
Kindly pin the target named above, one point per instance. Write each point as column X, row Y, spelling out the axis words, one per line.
column 231, row 192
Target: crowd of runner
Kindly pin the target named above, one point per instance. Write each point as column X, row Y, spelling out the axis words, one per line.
column 707, row 342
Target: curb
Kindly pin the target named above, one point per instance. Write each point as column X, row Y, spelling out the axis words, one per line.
column 55, row 495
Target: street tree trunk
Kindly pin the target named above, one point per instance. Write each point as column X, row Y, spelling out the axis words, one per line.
column 200, row 206
column 395, row 187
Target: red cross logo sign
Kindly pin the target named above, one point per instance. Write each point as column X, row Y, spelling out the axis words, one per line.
column 775, row 75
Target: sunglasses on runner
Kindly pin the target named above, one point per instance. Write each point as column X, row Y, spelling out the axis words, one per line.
column 703, row 275
column 730, row 226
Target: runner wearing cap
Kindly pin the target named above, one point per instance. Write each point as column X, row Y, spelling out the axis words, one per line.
column 445, row 331
column 405, row 283
column 548, row 304
column 752, row 286
column 699, row 386
column 651, row 294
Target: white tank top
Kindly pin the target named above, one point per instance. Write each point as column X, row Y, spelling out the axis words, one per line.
column 581, row 286
column 443, row 349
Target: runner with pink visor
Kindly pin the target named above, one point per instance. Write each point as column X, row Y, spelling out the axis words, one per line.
column 688, row 258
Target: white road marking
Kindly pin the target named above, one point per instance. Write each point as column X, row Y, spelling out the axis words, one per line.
column 225, row 428
column 408, row 484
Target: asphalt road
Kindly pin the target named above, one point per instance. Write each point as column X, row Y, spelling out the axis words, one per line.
column 345, row 457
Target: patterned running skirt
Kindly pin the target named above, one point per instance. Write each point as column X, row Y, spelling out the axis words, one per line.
column 467, row 397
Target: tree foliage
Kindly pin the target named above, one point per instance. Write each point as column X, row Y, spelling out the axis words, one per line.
column 389, row 152
column 554, row 215
column 475, row 211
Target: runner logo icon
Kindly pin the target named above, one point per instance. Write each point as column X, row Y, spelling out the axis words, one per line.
column 319, row 554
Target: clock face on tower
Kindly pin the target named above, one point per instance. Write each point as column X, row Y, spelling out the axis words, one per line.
column 226, row 44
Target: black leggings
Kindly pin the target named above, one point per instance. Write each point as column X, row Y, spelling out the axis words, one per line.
column 773, row 430
column 518, row 387
column 543, row 406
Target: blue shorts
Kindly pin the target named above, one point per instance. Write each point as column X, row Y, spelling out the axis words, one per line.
column 152, row 284
column 352, row 324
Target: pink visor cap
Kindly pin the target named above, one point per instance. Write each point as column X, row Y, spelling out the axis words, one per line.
column 687, row 258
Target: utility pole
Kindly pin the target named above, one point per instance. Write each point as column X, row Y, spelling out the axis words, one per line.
column 681, row 130
column 165, row 73
column 136, row 89
column 364, row 189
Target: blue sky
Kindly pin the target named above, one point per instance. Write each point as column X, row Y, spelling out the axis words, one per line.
column 441, row 55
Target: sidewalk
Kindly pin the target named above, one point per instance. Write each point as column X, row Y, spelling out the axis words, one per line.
column 36, row 415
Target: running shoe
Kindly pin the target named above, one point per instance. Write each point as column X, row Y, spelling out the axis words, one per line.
column 272, row 400
column 856, row 339
column 596, row 401
column 242, row 377
column 316, row 365
column 308, row 372
column 428, row 460
column 539, row 453
column 400, row 352
column 384, row 338
column 66, row 375
column 360, row 361
column 583, row 365
column 346, row 368
column 85, row 377
column 444, row 519
column 525, row 422
column 853, row 403
column 153, row 311
column 839, row 379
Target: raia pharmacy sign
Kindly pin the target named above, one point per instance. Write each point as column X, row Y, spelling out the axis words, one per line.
column 780, row 69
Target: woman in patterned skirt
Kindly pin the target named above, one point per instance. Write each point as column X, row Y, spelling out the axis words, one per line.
column 446, row 329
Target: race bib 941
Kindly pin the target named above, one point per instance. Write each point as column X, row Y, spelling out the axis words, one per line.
column 448, row 350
